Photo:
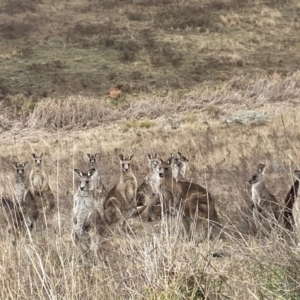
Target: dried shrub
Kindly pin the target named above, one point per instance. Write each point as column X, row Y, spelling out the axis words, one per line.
column 87, row 28
column 13, row 7
column 182, row 16
column 16, row 30
column 71, row 112
column 137, row 16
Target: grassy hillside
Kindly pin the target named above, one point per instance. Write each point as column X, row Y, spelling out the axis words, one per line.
column 155, row 262
column 57, row 48
column 215, row 80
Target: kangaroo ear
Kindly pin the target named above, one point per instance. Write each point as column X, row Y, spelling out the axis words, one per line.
column 149, row 156
column 96, row 154
column 78, row 173
column 15, row 164
column 42, row 154
column 131, row 156
column 261, row 168
column 33, row 155
column 121, row 156
column 89, row 155
column 91, row 172
column 25, row 164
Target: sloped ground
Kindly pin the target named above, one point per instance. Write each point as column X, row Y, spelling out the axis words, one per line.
column 183, row 76
column 62, row 48
column 155, row 262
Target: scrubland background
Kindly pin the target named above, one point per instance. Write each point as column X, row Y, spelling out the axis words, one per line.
column 142, row 76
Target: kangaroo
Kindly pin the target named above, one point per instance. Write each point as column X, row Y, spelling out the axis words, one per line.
column 194, row 200
column 100, row 191
column 24, row 197
column 265, row 204
column 120, row 202
column 178, row 166
column 292, row 210
column 39, row 183
column 86, row 215
column 148, row 191
column 11, row 218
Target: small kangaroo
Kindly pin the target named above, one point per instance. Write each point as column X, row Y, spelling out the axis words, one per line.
column 265, row 204
column 120, row 202
column 196, row 203
column 100, row 191
column 178, row 166
column 11, row 218
column 86, row 216
column 148, row 191
column 39, row 183
column 24, row 197
column 291, row 212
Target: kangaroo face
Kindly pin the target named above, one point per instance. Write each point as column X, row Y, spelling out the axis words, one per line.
column 37, row 159
column 181, row 161
column 257, row 177
column 181, row 158
column 20, row 168
column 165, row 170
column 172, row 159
column 125, row 163
column 154, row 162
column 92, row 158
column 84, row 179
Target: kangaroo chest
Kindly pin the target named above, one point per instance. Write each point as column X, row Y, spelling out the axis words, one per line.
column 296, row 212
column 20, row 188
column 258, row 195
column 84, row 207
column 38, row 180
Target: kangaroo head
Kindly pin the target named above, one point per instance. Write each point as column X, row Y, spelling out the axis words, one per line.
column 92, row 158
column 297, row 174
column 182, row 158
column 259, row 175
column 20, row 168
column 172, row 159
column 37, row 159
column 125, row 163
column 84, row 179
column 165, row 170
column 154, row 162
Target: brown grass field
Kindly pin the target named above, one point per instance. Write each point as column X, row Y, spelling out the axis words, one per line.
column 155, row 262
column 181, row 71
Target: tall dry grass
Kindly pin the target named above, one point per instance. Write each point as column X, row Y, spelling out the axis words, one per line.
column 243, row 91
column 155, row 262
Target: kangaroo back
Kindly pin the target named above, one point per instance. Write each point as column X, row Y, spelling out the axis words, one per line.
column 289, row 220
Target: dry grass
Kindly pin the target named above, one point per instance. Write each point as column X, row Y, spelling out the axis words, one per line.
column 206, row 101
column 155, row 262
column 87, row 47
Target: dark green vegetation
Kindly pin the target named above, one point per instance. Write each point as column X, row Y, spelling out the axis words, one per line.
column 57, row 48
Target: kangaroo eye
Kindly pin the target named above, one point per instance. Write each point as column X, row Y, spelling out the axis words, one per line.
column 87, row 182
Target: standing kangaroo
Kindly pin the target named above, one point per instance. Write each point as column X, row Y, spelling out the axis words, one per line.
column 87, row 218
column 148, row 191
column 99, row 191
column 24, row 197
column 178, row 166
column 39, row 183
column 120, row 202
column 196, row 203
column 291, row 212
column 265, row 206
